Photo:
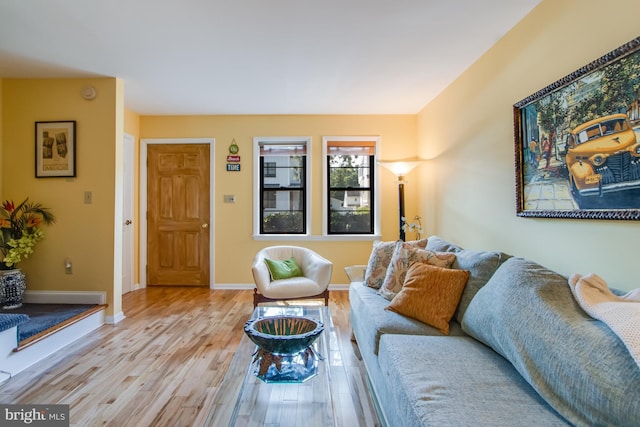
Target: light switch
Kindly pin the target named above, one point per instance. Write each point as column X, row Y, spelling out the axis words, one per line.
column 229, row 198
column 88, row 197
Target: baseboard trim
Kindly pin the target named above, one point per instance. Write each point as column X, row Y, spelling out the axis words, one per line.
column 65, row 297
column 234, row 286
column 251, row 286
column 112, row 320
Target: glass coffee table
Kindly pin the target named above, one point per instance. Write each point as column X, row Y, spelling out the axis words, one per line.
column 245, row 400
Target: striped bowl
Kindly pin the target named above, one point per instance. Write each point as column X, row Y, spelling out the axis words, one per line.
column 283, row 334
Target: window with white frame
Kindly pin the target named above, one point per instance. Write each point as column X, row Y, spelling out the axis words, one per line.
column 349, row 187
column 280, row 180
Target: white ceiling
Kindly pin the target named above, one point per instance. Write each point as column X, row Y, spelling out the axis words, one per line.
column 257, row 56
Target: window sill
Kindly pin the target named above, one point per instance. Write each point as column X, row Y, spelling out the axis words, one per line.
column 317, row 238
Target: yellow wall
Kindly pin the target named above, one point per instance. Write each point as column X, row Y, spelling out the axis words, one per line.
column 469, row 190
column 83, row 232
column 234, row 245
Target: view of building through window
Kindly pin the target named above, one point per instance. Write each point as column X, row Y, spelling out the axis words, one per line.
column 283, row 187
column 350, row 166
column 350, row 194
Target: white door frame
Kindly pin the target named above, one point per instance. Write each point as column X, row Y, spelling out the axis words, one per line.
column 128, row 213
column 144, row 143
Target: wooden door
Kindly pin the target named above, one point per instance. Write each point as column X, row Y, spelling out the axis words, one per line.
column 178, row 214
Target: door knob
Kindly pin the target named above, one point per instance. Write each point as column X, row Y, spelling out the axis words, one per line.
column 128, row 222
column 205, row 225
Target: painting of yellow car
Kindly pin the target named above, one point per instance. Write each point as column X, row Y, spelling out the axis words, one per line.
column 603, row 156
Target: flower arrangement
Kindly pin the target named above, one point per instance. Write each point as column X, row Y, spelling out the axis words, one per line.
column 415, row 226
column 20, row 230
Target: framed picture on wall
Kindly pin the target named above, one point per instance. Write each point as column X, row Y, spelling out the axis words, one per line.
column 55, row 149
column 577, row 142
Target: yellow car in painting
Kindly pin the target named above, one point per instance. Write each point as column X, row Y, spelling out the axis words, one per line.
column 603, row 155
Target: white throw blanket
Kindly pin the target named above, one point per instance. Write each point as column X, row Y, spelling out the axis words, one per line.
column 620, row 313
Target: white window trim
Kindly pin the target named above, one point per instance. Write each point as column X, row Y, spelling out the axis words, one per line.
column 256, row 187
column 376, row 192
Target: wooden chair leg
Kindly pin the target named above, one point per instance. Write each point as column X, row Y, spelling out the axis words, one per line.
column 258, row 298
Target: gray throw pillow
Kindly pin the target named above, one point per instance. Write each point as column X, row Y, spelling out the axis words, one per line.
column 481, row 266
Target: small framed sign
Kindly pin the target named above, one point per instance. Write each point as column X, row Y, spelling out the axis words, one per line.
column 55, row 149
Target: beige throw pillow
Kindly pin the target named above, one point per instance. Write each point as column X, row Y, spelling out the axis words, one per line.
column 405, row 255
column 430, row 294
column 380, row 258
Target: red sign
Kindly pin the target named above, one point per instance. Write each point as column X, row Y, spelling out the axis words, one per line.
column 233, row 158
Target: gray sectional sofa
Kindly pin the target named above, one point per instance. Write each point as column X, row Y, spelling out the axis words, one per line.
column 520, row 352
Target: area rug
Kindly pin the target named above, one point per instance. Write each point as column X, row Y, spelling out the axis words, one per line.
column 45, row 316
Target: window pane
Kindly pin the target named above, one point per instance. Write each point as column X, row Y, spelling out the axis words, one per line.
column 349, row 171
column 285, row 200
column 283, row 171
column 269, row 200
column 269, row 169
column 350, row 212
column 288, row 222
column 283, row 211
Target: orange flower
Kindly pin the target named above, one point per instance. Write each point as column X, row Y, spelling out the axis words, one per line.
column 20, row 229
column 33, row 221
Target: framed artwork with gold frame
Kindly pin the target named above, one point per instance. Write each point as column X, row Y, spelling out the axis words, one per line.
column 577, row 142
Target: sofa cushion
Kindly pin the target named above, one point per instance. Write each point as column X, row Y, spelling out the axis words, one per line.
column 528, row 314
column 457, row 381
column 405, row 255
column 430, row 294
column 380, row 258
column 481, row 266
column 370, row 320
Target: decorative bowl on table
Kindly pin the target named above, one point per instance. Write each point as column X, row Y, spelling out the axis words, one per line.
column 285, row 353
column 283, row 334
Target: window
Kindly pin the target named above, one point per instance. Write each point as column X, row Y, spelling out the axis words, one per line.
column 280, row 178
column 270, row 169
column 350, row 201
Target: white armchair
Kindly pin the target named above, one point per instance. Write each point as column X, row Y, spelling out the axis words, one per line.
column 314, row 283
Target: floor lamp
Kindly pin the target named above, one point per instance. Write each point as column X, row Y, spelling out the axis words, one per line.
column 400, row 169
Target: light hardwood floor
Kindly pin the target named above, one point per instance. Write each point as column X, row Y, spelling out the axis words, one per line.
column 162, row 364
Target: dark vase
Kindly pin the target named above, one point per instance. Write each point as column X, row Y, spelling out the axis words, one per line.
column 12, row 286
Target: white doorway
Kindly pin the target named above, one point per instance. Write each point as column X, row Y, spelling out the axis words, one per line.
column 128, row 229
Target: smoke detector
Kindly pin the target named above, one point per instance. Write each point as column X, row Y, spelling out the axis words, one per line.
column 88, row 92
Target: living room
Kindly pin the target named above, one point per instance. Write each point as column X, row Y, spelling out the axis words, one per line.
column 464, row 191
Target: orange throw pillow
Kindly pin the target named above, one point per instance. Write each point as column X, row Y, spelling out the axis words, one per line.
column 430, row 294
